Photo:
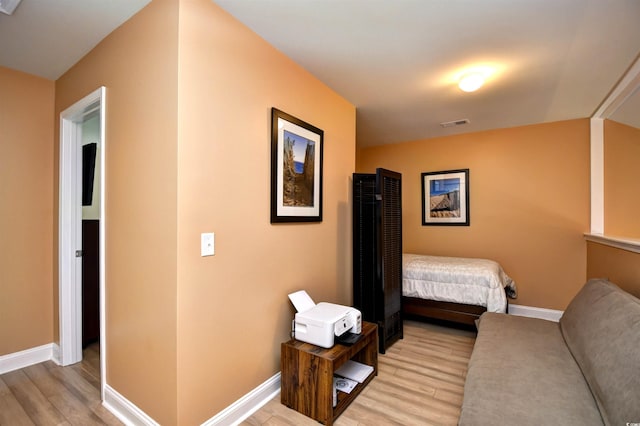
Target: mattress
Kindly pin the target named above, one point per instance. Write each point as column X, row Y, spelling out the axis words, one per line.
column 471, row 281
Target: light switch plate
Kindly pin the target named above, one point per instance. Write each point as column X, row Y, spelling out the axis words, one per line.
column 207, row 244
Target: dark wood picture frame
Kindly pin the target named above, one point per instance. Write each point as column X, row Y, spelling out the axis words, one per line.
column 296, row 169
column 445, row 198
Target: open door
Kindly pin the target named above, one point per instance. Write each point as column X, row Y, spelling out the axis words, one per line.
column 70, row 249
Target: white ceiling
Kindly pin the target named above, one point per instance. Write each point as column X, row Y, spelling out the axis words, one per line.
column 47, row 37
column 395, row 60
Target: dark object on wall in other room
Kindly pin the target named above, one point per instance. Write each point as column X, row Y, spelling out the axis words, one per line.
column 88, row 172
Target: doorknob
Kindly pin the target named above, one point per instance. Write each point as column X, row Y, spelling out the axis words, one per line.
column 78, row 253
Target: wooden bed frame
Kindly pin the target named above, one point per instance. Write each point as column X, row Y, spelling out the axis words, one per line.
column 448, row 311
column 452, row 312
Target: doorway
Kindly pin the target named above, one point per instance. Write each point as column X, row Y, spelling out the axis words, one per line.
column 74, row 122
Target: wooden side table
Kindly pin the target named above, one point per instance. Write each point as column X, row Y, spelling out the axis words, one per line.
column 307, row 374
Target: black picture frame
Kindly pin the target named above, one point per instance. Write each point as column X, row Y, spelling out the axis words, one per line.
column 445, row 198
column 296, row 169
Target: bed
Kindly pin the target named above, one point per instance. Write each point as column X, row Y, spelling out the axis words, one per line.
column 453, row 288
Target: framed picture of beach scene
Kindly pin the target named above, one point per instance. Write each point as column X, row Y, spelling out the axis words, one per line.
column 445, row 198
column 296, row 169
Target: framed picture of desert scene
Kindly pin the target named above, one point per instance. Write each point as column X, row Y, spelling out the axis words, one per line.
column 445, row 198
column 296, row 169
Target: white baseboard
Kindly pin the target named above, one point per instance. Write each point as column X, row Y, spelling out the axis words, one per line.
column 125, row 410
column 55, row 356
column 129, row 413
column 533, row 312
column 237, row 412
column 247, row 405
column 22, row 359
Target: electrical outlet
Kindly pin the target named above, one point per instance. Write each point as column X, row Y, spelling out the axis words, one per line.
column 207, row 244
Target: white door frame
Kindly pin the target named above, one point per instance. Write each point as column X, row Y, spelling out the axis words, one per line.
column 70, row 230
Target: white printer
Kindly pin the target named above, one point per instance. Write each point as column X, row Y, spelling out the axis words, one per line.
column 319, row 324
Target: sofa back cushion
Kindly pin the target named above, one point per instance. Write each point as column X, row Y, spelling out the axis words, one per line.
column 601, row 327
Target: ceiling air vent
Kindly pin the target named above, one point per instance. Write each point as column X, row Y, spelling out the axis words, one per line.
column 8, row 6
column 455, row 123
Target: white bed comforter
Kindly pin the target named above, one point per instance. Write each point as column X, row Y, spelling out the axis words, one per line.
column 471, row 281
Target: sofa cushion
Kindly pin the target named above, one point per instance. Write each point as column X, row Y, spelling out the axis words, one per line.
column 602, row 329
column 522, row 373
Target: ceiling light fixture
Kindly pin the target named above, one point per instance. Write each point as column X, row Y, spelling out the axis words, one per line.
column 471, row 82
column 8, row 6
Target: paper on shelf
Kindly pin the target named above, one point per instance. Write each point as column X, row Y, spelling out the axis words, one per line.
column 355, row 371
column 343, row 384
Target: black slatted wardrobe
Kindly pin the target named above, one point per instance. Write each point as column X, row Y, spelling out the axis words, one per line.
column 377, row 252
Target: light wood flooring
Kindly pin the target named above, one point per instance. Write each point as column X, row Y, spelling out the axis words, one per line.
column 47, row 394
column 420, row 382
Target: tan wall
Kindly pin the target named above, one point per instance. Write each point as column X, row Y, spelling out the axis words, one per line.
column 138, row 65
column 618, row 266
column 529, row 202
column 26, row 211
column 233, row 310
column 621, row 183
column 190, row 153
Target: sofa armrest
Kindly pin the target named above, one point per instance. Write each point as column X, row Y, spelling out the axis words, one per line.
column 601, row 327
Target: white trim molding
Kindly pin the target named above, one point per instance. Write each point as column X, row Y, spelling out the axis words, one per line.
column 626, row 87
column 534, row 312
column 130, row 415
column 248, row 404
column 22, row 359
column 126, row 411
column 597, row 175
column 103, row 239
column 627, row 244
column 69, row 241
column 55, row 357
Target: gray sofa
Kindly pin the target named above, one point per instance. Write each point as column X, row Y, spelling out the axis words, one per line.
column 584, row 370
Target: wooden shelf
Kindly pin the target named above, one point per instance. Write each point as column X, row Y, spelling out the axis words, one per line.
column 307, row 374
